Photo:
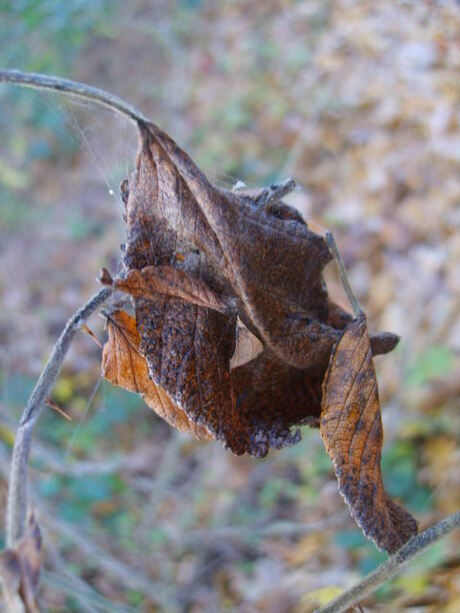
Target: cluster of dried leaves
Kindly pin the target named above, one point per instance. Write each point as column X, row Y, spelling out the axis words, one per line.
column 234, row 336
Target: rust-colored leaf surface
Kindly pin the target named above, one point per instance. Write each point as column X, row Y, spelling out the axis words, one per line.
column 20, row 570
column 273, row 398
column 123, row 366
column 351, row 427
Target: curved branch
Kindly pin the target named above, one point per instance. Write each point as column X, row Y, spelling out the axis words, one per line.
column 17, row 491
column 17, row 496
column 394, row 565
column 74, row 88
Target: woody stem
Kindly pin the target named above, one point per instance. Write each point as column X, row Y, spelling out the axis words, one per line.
column 74, row 88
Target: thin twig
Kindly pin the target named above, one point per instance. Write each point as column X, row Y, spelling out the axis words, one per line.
column 277, row 191
column 17, row 492
column 394, row 565
column 57, row 408
column 74, row 88
column 357, row 310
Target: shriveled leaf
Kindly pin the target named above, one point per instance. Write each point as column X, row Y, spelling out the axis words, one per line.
column 187, row 344
column 123, row 365
column 20, row 570
column 351, row 427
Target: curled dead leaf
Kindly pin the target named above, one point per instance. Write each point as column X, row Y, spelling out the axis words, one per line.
column 173, row 282
column 20, row 570
column 351, row 427
column 234, row 329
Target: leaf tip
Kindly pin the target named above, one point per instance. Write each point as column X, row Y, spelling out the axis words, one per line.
column 105, row 277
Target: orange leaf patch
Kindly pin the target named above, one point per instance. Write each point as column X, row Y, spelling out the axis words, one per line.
column 123, row 365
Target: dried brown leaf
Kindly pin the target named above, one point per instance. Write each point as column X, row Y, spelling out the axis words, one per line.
column 20, row 570
column 234, row 330
column 351, row 427
column 187, row 344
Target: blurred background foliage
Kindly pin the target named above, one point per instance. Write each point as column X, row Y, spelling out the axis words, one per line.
column 360, row 102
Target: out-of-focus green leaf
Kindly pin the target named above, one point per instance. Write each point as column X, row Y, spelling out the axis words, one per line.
column 12, row 178
column 17, row 389
column 49, row 486
column 91, row 488
column 350, row 539
column 434, row 362
column 371, row 559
